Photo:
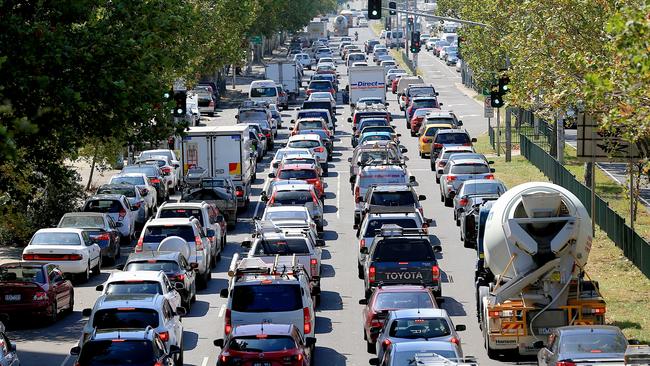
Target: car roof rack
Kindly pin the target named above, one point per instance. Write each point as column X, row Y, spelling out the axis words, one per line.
column 378, row 209
column 282, row 266
column 269, row 227
column 394, row 230
column 434, row 359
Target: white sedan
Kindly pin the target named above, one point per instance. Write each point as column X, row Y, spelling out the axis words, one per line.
column 323, row 96
column 70, row 249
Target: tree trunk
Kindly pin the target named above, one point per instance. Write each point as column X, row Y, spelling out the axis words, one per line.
column 560, row 139
column 587, row 175
column 92, row 169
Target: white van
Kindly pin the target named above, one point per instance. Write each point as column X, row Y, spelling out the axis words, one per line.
column 264, row 91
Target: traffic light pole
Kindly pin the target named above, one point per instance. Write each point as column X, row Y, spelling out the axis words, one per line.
column 407, row 35
column 498, row 137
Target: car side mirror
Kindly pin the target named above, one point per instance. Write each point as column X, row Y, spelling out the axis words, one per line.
column 412, row 179
column 363, row 302
column 210, row 233
column 439, row 171
column 440, row 104
column 292, row 121
column 538, row 345
column 491, row 162
column 174, row 350
column 246, row 244
column 194, row 265
column 220, row 219
column 492, row 170
column 86, row 312
column 236, row 116
column 386, row 104
column 218, row 343
column 181, row 311
column 460, row 327
column 224, row 293
column 474, row 139
column 422, row 197
column 404, row 150
column 349, row 119
column 349, row 160
column 459, row 123
column 437, row 249
column 355, row 226
column 74, row 351
column 353, row 179
column 320, row 242
column 354, row 128
column 310, row 341
column 363, row 250
column 176, row 165
column 264, row 198
column 399, row 135
column 374, row 361
column 144, row 192
column 276, row 164
column 99, row 288
column 179, row 286
column 271, row 175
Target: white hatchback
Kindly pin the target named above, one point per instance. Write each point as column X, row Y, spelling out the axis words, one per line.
column 312, row 142
column 141, row 282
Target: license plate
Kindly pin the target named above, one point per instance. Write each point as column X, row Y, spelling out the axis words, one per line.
column 262, row 364
column 219, row 171
column 12, row 297
column 544, row 330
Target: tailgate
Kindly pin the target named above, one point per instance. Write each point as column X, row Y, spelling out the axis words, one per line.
column 404, row 272
column 227, row 153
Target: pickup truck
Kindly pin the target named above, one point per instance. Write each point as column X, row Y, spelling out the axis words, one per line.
column 401, row 257
column 288, row 242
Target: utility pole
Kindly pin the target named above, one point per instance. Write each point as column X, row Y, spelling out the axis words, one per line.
column 406, row 32
column 560, row 138
column 508, row 135
column 498, row 137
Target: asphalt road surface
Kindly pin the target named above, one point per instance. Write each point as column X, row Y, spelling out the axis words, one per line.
column 338, row 323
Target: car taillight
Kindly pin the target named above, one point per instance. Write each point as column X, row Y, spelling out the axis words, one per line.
column 362, row 243
column 211, row 103
column 224, row 358
column 239, row 192
column 371, row 274
column 463, row 201
column 386, row 343
column 154, row 180
column 179, row 277
column 306, row 320
column 319, row 149
column 164, row 336
column 268, row 134
column 455, row 340
column 374, row 322
column 565, row 363
column 139, row 245
column 227, row 328
column 426, row 140
column 450, row 178
column 312, row 264
column 435, row 272
column 357, row 192
column 40, row 296
column 166, row 169
column 260, row 135
column 198, row 242
column 29, row 257
column 437, row 146
column 158, row 363
column 104, row 236
column 489, row 176
column 442, row 163
column 121, row 214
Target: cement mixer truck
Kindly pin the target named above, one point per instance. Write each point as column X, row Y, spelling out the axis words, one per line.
column 341, row 26
column 536, row 243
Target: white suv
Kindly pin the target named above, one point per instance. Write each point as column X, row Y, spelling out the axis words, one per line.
column 190, row 230
column 208, row 217
column 266, row 293
column 141, row 282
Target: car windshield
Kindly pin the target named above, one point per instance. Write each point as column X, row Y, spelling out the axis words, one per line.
column 129, row 180
column 375, row 225
column 82, row 222
column 286, row 215
column 22, row 274
column 252, row 116
column 482, row 188
column 419, row 328
column 403, row 250
column 266, row 298
column 264, row 92
column 134, row 287
column 403, row 300
column 453, row 139
column 55, row 239
column 103, row 206
column 282, row 247
column 156, row 234
column 401, row 198
column 126, row 191
column 431, row 131
column 297, row 174
column 595, row 343
column 304, row 144
column 305, row 125
column 292, row 198
column 128, row 318
column 408, row 357
column 124, row 352
column 257, row 344
column 469, row 169
column 154, row 265
column 182, row 212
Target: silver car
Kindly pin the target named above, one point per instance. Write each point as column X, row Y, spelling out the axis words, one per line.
column 298, row 195
column 591, row 344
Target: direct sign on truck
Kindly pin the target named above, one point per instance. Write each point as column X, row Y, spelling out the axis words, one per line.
column 367, row 81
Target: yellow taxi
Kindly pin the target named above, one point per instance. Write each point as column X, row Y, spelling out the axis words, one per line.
column 426, row 134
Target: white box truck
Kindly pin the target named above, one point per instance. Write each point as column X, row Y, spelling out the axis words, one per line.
column 224, row 151
column 367, row 81
column 286, row 74
column 316, row 30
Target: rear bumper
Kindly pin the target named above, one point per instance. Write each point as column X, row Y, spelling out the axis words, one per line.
column 69, row 267
column 523, row 344
column 21, row 312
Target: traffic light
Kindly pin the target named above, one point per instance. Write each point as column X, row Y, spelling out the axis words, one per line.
column 503, row 85
column 415, row 42
column 409, row 24
column 496, row 98
column 392, row 5
column 374, row 9
column 180, row 109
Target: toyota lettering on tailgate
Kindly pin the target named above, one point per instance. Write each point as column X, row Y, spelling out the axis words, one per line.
column 394, row 276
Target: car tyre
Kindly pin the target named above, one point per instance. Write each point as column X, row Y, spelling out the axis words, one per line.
column 448, row 202
column 423, row 156
column 360, row 273
column 371, row 347
column 97, row 269
column 179, row 360
column 85, row 276
column 70, row 308
column 437, row 178
column 54, row 313
column 187, row 304
column 413, row 134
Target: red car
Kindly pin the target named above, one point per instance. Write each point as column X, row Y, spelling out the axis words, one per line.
column 34, row 289
column 307, row 172
column 386, row 298
column 265, row 344
column 393, row 86
column 418, row 102
column 416, row 120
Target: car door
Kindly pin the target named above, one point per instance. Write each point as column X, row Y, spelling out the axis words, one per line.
column 94, row 251
column 114, row 232
column 130, row 214
column 173, row 322
column 174, row 296
column 57, row 286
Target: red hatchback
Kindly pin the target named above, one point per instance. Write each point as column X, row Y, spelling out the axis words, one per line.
column 265, row 344
column 387, row 298
column 34, row 289
column 307, row 172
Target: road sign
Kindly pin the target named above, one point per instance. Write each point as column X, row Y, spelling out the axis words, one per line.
column 599, row 145
column 256, row 39
column 488, row 111
column 179, row 85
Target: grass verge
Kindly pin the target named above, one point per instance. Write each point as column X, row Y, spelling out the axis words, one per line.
column 625, row 288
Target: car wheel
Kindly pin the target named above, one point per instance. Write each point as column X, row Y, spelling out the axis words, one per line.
column 437, row 178
column 224, row 240
column 54, row 313
column 187, row 303
column 207, row 277
column 117, row 254
column 85, row 276
column 360, row 271
column 413, row 134
column 179, row 360
column 442, row 198
column 97, row 269
column 370, row 347
column 438, row 295
column 70, row 308
column 448, row 202
column 423, row 156
column 217, row 257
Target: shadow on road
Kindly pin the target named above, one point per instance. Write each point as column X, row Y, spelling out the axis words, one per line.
column 330, row 300
column 324, row 356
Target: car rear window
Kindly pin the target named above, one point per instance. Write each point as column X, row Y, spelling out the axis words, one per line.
column 282, row 247
column 426, row 103
column 399, row 198
column 453, row 138
column 127, row 191
column 375, row 138
column 595, row 343
column 129, row 180
column 107, row 352
column 470, row 169
column 154, row 265
column 127, row 318
column 372, row 122
column 267, row 343
column 182, row 212
column 297, row 174
column 103, row 206
column 55, row 239
column 419, row 328
column 313, row 114
column 403, row 250
column 375, row 155
column 374, row 225
column 149, row 171
column 264, row 92
column 134, row 287
column 305, row 125
column 482, row 188
column 320, row 85
column 403, row 300
column 292, row 197
column 309, row 144
column 299, row 161
column 447, row 154
column 286, row 215
column 22, row 274
column 266, row 298
column 156, row 234
column 431, row 131
column 252, row 116
column 367, row 180
column 421, row 90
column 82, row 222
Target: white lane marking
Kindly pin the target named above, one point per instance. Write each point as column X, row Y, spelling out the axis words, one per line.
column 204, row 362
column 222, row 310
column 65, row 361
column 338, row 196
column 456, row 105
column 259, row 200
